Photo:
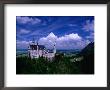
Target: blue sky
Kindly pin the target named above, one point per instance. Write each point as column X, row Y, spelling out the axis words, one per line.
column 67, row 32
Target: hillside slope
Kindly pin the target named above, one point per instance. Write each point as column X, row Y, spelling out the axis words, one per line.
column 87, row 65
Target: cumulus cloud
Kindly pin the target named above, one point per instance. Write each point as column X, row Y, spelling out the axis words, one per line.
column 70, row 41
column 25, row 20
column 70, row 37
column 24, row 31
column 88, row 26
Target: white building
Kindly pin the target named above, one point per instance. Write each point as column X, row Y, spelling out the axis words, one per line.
column 35, row 51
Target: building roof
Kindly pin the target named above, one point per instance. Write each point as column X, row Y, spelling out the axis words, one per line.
column 34, row 47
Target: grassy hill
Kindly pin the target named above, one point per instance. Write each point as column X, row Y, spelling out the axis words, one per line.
column 81, row 63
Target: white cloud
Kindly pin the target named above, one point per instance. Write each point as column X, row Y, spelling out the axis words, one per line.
column 51, row 37
column 70, row 37
column 35, row 21
column 71, row 41
column 88, row 26
column 49, row 40
column 24, row 31
column 91, row 36
column 25, row 19
column 22, row 44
